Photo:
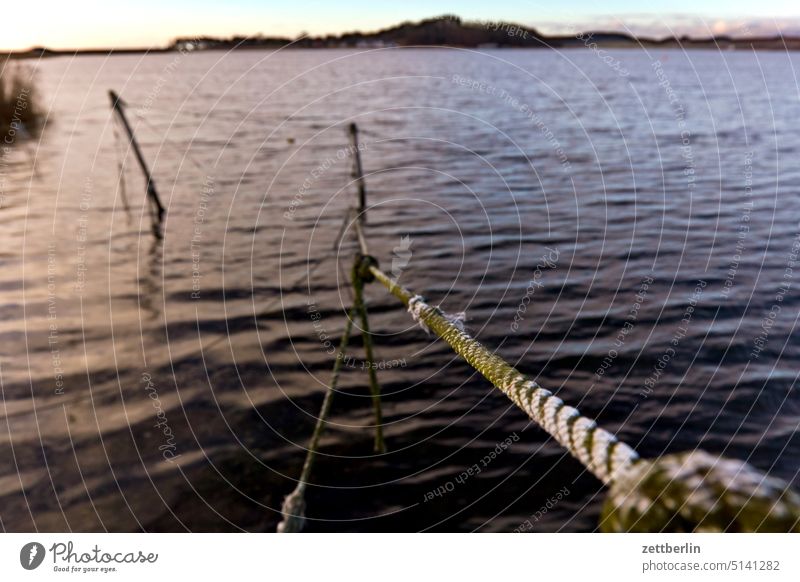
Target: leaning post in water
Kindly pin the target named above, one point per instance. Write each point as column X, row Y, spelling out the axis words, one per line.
column 152, row 194
column 358, row 174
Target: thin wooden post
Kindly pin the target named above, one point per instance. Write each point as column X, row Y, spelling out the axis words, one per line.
column 152, row 194
column 294, row 505
column 358, row 174
column 360, row 306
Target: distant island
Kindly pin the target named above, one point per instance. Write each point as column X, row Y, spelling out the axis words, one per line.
column 446, row 31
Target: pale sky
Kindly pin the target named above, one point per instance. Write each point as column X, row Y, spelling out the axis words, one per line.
column 153, row 23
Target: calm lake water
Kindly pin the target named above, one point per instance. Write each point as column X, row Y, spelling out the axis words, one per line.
column 625, row 231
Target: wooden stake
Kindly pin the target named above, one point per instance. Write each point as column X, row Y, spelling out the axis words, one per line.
column 359, row 174
column 152, row 194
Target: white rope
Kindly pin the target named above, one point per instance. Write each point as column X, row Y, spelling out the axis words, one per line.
column 415, row 306
column 598, row 450
column 692, row 491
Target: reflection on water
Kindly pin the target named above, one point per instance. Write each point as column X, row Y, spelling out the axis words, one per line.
column 629, row 241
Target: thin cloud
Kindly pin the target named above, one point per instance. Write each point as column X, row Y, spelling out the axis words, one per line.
column 648, row 25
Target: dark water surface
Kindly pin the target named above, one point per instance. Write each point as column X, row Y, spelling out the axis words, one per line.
column 625, row 234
